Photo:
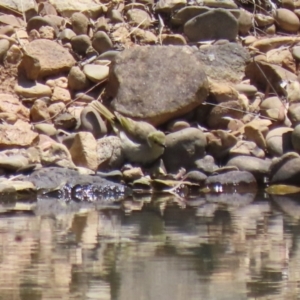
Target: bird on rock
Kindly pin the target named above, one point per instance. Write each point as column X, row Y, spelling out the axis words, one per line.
column 141, row 142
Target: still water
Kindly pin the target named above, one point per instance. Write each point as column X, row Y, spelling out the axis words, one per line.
column 226, row 246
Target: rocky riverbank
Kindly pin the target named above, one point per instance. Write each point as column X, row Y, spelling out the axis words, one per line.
column 219, row 78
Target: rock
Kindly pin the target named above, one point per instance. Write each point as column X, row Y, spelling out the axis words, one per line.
column 47, row 32
column 84, row 151
column 76, row 79
column 217, row 62
column 145, row 36
column 177, row 125
column 241, row 180
column 218, row 117
column 56, row 108
column 110, row 154
column 167, row 97
column 115, row 16
column 294, row 113
column 274, row 108
column 188, row 144
column 206, row 164
column 65, row 121
column 38, row 22
column 266, row 44
column 39, row 112
column 18, row 6
column 109, row 55
column 80, row 23
column 245, row 21
column 138, row 17
column 53, row 153
column 258, row 72
column 92, row 122
column 61, row 94
column 286, row 20
column 246, row 148
column 263, row 20
column 66, row 35
column 296, row 52
column 195, row 177
column 13, row 55
column 12, row 162
column 282, row 57
column 47, row 129
column 296, row 138
column 16, row 136
column 81, row 43
column 279, row 141
column 167, row 6
column 68, row 7
column 256, row 166
column 96, row 73
column 173, row 39
column 222, row 92
column 101, row 42
column 10, row 104
column 212, row 25
column 187, row 13
column 219, row 143
column 246, row 89
column 52, row 59
column 285, row 169
column 133, row 174
column 255, row 134
column 4, row 46
column 28, row 89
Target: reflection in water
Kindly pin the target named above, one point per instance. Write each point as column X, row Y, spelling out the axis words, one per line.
column 214, row 247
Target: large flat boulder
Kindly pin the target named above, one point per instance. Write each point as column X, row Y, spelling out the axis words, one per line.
column 157, row 83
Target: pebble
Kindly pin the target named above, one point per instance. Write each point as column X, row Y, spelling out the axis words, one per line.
column 96, row 73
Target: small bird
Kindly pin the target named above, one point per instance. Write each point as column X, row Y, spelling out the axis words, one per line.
column 140, row 141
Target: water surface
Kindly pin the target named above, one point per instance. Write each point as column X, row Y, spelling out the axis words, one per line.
column 226, row 246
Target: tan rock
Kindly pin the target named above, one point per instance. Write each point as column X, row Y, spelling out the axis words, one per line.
column 133, row 174
column 58, row 82
column 139, row 17
column 262, row 20
column 39, row 112
column 173, row 39
column 286, row 20
column 32, row 90
column 222, row 92
column 109, row 152
column 293, row 91
column 53, row 153
column 145, row 36
column 61, row 94
column 279, row 141
column 282, row 57
column 96, row 73
column 84, row 151
column 254, row 134
column 15, row 136
column 274, row 108
column 47, row 129
column 266, row 44
column 47, row 32
column 56, row 108
column 52, row 58
column 10, row 104
column 247, row 148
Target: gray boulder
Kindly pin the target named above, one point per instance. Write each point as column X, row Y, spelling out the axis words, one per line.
column 183, row 149
column 212, row 25
column 144, row 86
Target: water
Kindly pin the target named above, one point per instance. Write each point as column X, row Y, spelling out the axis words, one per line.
column 218, row 247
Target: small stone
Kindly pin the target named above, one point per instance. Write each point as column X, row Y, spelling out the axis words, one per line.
column 39, row 112
column 173, row 39
column 177, row 125
column 60, row 94
column 187, row 13
column 56, row 108
column 32, row 89
column 66, row 35
column 77, row 79
column 91, row 121
column 47, row 32
column 81, row 43
column 65, row 121
column 279, row 141
column 296, row 138
column 37, row 22
column 13, row 55
column 84, row 151
column 96, row 73
column 222, row 92
column 286, row 20
column 110, row 154
column 133, row 174
column 246, row 148
column 138, row 17
column 115, row 16
column 213, row 25
column 144, row 36
column 245, row 21
column 263, row 20
column 246, row 89
column 4, row 46
column 47, row 129
column 296, row 52
column 80, row 23
column 101, row 42
column 188, row 144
